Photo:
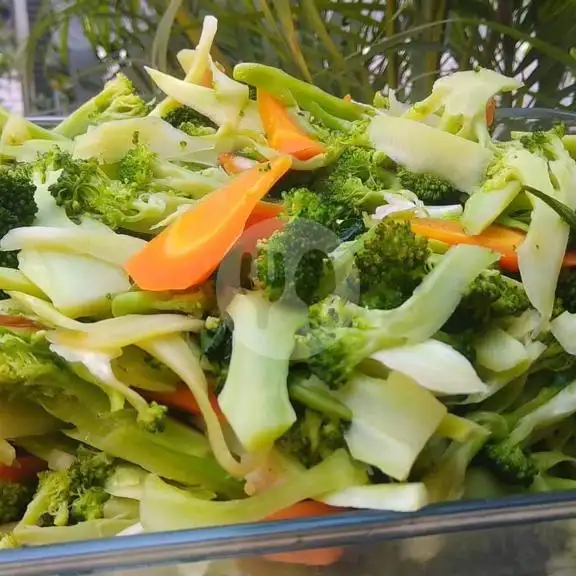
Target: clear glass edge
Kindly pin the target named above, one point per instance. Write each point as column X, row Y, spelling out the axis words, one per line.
column 346, row 529
column 265, row 538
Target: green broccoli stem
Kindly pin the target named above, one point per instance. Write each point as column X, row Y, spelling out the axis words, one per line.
column 156, row 452
column 78, row 122
column 142, row 302
column 292, row 91
column 164, row 507
column 255, row 397
column 446, row 481
column 35, row 132
column 314, row 394
column 13, row 280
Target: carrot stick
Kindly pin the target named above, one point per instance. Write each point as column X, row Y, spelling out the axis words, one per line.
column 317, row 557
column 264, row 211
column 234, row 164
column 23, row 469
column 187, row 252
column 490, row 112
column 282, row 131
column 497, row 238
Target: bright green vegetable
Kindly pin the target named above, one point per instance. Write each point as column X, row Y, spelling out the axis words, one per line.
column 117, row 100
column 255, row 398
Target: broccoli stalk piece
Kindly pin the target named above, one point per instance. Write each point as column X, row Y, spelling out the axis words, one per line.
column 447, row 479
column 17, row 205
column 461, row 100
column 310, row 392
column 255, row 398
column 116, row 101
column 29, row 370
column 84, row 190
column 165, row 507
column 16, row 130
column 197, row 303
column 511, row 169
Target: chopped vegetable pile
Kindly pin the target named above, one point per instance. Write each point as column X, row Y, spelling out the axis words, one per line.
column 254, row 300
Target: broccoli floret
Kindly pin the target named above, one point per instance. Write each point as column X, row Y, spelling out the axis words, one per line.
column 137, row 166
column 509, row 458
column 312, row 438
column 83, row 189
column 17, row 205
column 89, row 505
column 216, row 347
column 292, row 263
column 391, row 262
column 566, row 290
column 429, row 188
column 339, row 337
column 190, row 121
column 510, row 463
column 117, row 100
column 306, row 260
column 141, row 168
column 73, row 495
column 14, row 498
column 357, row 179
column 491, row 296
column 306, row 204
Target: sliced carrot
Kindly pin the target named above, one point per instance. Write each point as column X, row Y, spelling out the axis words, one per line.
column 207, row 79
column 181, row 399
column 282, row 131
column 188, row 251
column 491, row 112
column 498, row 238
column 234, row 164
column 348, row 98
column 9, row 321
column 317, row 557
column 264, row 211
column 23, row 469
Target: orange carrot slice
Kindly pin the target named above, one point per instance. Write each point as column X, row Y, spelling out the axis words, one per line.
column 187, row 252
column 282, row 131
column 491, row 112
column 317, row 557
column 234, row 164
column 498, row 238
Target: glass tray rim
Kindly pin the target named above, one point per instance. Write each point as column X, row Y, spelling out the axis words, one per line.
column 256, row 539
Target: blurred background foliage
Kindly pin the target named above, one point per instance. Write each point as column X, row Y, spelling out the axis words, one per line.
column 352, row 47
